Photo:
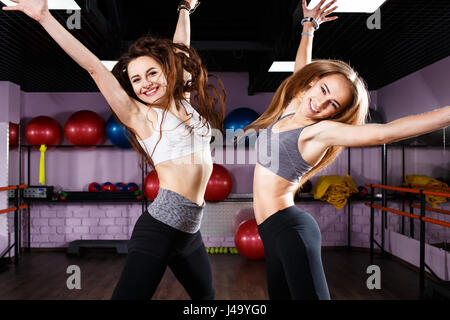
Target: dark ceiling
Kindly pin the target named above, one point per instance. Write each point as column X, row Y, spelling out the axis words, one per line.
column 242, row 36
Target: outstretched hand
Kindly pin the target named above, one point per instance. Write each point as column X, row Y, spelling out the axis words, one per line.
column 35, row 9
column 318, row 13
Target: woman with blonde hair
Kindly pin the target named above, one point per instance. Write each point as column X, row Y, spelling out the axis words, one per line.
column 149, row 91
column 314, row 114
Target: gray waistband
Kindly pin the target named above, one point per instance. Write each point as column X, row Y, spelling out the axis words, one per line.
column 176, row 211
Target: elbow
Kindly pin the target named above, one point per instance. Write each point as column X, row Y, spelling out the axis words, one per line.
column 382, row 136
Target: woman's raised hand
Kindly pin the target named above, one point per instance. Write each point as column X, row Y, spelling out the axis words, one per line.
column 318, row 13
column 35, row 9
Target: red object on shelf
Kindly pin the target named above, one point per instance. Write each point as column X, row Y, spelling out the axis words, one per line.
column 108, row 187
column 219, row 184
column 247, row 240
column 85, row 128
column 43, row 130
column 151, row 185
column 95, row 187
column 13, row 135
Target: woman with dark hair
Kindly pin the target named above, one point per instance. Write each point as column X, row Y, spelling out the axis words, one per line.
column 314, row 114
column 149, row 92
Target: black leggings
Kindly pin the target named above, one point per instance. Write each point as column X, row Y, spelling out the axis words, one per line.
column 154, row 246
column 292, row 245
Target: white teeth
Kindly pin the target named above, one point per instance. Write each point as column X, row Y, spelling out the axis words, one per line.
column 312, row 107
column 150, row 92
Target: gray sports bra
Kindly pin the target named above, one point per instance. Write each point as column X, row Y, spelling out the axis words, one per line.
column 278, row 152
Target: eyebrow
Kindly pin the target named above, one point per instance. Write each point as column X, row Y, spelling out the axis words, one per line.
column 136, row 75
column 330, row 93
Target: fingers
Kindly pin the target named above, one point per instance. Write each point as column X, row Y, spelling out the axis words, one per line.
column 329, row 4
column 330, row 18
column 14, row 8
column 320, row 4
column 329, row 11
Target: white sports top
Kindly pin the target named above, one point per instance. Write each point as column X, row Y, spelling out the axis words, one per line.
column 177, row 141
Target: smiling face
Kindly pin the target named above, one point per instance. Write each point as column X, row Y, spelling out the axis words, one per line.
column 147, row 78
column 326, row 97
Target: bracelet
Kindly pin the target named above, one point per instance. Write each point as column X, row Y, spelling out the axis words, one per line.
column 185, row 5
column 307, row 34
column 309, row 19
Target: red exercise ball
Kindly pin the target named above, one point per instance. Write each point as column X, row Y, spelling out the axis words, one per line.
column 219, row 184
column 247, row 240
column 43, row 130
column 151, row 185
column 84, row 128
column 13, row 135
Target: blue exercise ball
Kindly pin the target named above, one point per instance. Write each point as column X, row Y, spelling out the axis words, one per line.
column 117, row 134
column 240, row 118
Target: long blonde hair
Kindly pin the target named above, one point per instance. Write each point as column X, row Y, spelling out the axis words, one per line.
column 354, row 113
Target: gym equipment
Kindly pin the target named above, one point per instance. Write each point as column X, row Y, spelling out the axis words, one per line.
column 38, row 192
column 95, row 187
column 75, row 246
column 13, row 135
column 247, row 240
column 43, row 130
column 84, row 128
column 120, row 186
column 151, row 185
column 132, row 186
column 219, row 185
column 239, row 118
column 107, row 187
column 117, row 134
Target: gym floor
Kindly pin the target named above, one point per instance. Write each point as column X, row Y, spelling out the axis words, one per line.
column 42, row 275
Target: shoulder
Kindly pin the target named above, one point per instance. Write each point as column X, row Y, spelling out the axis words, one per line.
column 319, row 132
column 144, row 120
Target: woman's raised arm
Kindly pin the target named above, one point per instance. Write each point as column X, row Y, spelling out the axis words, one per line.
column 183, row 30
column 108, row 85
column 304, row 52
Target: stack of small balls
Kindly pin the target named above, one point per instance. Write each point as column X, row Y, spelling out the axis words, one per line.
column 221, row 250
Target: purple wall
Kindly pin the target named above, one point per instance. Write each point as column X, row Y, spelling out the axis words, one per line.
column 421, row 91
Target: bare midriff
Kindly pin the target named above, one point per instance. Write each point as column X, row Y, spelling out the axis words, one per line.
column 187, row 176
column 271, row 193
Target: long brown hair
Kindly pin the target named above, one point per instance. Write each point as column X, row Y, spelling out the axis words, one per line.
column 174, row 58
column 354, row 113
